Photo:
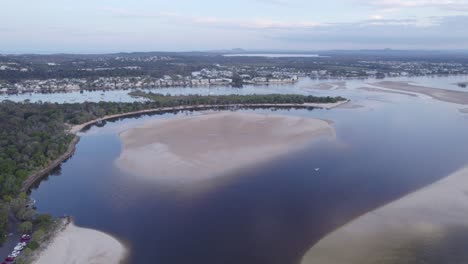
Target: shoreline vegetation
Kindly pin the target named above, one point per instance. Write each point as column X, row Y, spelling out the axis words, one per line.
column 38, row 137
column 424, row 226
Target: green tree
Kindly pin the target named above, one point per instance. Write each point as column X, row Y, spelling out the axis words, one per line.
column 38, row 235
column 25, row 227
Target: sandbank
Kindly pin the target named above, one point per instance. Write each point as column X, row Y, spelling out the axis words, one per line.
column 327, row 86
column 204, row 146
column 450, row 96
column 81, row 245
column 371, row 89
column 419, row 226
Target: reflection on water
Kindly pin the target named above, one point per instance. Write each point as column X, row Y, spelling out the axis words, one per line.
column 265, row 214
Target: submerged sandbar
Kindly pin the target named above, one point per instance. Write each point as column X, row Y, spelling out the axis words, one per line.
column 450, row 96
column 427, row 226
column 208, row 145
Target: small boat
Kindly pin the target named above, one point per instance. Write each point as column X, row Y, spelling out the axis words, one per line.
column 317, row 169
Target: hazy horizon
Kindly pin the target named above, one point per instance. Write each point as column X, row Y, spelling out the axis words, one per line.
column 53, row 26
column 240, row 51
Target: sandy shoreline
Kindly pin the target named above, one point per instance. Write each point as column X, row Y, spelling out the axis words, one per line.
column 450, row 96
column 36, row 176
column 77, row 128
column 201, row 147
column 76, row 245
column 418, row 226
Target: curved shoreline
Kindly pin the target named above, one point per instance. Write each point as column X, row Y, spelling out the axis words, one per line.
column 422, row 222
column 39, row 175
column 36, row 176
column 73, row 244
column 77, row 128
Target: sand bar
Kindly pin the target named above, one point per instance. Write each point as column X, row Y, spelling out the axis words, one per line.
column 76, row 245
column 371, row 89
column 204, row 146
column 418, row 226
column 450, row 96
column 327, row 86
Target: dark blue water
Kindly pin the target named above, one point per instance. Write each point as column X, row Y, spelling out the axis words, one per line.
column 271, row 213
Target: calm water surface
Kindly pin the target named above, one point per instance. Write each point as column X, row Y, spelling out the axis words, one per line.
column 301, row 87
column 270, row 213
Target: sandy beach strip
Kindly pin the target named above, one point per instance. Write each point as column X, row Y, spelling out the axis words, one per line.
column 77, row 128
column 371, row 89
column 76, row 245
column 201, row 147
column 450, row 96
column 426, row 225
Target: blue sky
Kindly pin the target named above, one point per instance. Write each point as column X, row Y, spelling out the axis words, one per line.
column 91, row 26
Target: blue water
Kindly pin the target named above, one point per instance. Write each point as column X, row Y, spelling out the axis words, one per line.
column 271, row 213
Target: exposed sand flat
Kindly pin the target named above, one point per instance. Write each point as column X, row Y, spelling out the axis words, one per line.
column 76, row 245
column 350, row 105
column 419, row 226
column 200, row 147
column 464, row 110
column 370, row 89
column 450, row 96
column 327, row 86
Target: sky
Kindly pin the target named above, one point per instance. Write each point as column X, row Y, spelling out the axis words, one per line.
column 101, row 26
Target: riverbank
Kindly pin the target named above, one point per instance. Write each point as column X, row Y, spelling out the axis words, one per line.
column 209, row 145
column 73, row 244
column 77, row 128
column 427, row 225
column 33, row 178
column 450, row 96
column 36, row 176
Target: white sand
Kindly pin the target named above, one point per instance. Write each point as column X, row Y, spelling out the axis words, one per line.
column 76, row 245
column 201, row 147
column 450, row 96
column 388, row 234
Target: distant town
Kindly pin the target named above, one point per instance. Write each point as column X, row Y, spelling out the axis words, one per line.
column 67, row 73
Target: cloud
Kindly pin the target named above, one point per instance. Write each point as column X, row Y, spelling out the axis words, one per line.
column 455, row 5
column 439, row 33
column 212, row 21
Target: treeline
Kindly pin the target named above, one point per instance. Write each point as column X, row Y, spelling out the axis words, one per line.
column 161, row 100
